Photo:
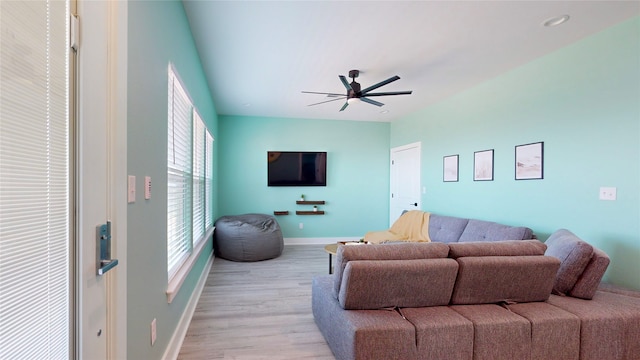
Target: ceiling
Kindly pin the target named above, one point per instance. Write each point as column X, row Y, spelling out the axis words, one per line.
column 259, row 56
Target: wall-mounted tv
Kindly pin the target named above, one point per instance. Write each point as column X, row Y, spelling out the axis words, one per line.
column 296, row 168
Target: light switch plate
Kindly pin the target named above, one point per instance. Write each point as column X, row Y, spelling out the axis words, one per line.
column 131, row 189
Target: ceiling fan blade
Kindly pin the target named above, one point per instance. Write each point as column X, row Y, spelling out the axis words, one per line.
column 390, row 93
column 372, row 102
column 344, row 106
column 322, row 93
column 382, row 83
column 322, row 102
column 345, row 83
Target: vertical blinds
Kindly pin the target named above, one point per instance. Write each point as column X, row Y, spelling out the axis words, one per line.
column 34, row 180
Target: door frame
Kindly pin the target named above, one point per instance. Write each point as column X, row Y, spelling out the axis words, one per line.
column 113, row 72
column 117, row 119
column 418, row 145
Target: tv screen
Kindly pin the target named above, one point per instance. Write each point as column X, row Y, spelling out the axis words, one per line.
column 296, row 168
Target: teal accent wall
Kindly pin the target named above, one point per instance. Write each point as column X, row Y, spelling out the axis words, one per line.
column 159, row 34
column 583, row 101
column 357, row 173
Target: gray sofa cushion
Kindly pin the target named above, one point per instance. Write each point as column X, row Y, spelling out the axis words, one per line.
column 609, row 324
column 499, row 334
column 360, row 334
column 377, row 284
column 494, row 279
column 446, row 229
column 400, row 251
column 497, row 248
column 479, row 230
column 555, row 333
column 589, row 281
column 441, row 333
column 574, row 255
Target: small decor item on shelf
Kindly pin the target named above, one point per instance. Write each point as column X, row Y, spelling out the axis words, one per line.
column 302, row 197
column 315, row 208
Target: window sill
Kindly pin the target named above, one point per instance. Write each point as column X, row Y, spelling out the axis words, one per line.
column 176, row 282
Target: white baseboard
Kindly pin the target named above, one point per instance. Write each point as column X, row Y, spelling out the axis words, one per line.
column 317, row 241
column 173, row 349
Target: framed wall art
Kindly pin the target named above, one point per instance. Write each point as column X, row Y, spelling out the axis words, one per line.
column 529, row 161
column 450, row 168
column 483, row 165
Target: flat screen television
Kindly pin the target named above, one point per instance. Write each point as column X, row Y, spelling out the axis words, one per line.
column 296, row 168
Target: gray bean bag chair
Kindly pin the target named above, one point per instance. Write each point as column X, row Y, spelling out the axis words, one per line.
column 248, row 237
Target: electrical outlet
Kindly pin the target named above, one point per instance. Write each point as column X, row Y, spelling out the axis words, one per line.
column 608, row 193
column 301, row 226
column 153, row 332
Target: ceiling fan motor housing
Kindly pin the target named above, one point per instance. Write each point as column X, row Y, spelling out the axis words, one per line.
column 356, row 89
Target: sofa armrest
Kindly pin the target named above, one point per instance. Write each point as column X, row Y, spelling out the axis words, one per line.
column 376, row 284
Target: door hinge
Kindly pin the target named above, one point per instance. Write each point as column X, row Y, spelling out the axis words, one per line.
column 74, row 32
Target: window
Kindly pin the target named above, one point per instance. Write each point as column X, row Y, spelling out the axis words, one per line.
column 208, row 216
column 178, row 176
column 189, row 178
column 199, row 142
column 35, row 247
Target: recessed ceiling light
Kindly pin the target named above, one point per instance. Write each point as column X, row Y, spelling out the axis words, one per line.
column 555, row 21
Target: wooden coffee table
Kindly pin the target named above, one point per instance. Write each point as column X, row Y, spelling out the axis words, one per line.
column 332, row 249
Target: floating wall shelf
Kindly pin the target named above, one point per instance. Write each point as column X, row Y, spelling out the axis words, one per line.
column 310, row 202
column 319, row 212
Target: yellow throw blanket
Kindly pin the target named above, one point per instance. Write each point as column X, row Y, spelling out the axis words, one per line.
column 411, row 226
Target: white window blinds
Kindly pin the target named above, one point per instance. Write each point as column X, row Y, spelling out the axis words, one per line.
column 190, row 162
column 199, row 142
column 179, row 226
column 34, row 180
column 209, row 182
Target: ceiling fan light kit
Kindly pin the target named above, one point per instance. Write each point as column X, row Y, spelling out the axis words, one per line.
column 355, row 94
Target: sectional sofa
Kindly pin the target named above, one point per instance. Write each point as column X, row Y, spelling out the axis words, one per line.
column 493, row 299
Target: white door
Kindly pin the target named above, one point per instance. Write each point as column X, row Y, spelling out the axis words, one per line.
column 405, row 180
column 100, row 140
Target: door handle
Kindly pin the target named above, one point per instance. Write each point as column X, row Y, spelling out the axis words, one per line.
column 414, row 204
column 104, row 261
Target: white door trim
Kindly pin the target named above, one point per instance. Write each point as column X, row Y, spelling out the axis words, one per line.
column 392, row 182
column 102, row 104
column 117, row 30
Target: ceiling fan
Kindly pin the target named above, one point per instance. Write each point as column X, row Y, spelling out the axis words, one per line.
column 354, row 92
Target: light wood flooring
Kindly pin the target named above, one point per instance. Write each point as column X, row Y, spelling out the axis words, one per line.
column 259, row 310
